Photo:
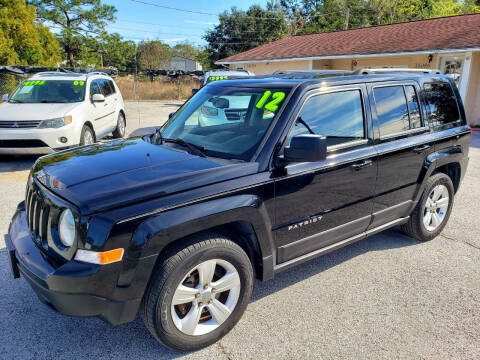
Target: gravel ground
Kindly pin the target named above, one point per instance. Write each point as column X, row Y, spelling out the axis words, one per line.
column 385, row 297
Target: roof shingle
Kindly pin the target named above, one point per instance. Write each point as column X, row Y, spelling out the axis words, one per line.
column 454, row 32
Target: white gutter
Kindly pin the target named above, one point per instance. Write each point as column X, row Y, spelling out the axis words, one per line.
column 347, row 56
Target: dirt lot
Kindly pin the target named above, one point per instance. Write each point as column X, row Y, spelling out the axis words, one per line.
column 386, row 297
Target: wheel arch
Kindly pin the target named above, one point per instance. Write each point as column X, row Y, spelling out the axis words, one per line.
column 243, row 218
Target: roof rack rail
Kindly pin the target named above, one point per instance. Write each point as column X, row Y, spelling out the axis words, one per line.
column 96, row 73
column 366, row 71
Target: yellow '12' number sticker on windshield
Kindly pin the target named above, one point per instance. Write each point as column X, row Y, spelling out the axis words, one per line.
column 272, row 105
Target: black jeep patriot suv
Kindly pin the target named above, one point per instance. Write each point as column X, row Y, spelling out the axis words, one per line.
column 247, row 178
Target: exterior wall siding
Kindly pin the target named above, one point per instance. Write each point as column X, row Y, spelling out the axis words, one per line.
column 472, row 102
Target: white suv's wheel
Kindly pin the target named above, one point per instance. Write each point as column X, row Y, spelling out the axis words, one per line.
column 198, row 292
column 119, row 132
column 87, row 136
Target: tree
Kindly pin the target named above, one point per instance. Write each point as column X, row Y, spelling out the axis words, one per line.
column 77, row 19
column 22, row 40
column 117, row 52
column 153, row 55
column 185, row 49
column 242, row 30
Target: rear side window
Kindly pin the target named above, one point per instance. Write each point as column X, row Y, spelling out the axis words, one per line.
column 398, row 109
column 442, row 104
column 336, row 115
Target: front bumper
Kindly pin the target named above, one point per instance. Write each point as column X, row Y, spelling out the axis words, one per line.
column 72, row 288
column 24, row 141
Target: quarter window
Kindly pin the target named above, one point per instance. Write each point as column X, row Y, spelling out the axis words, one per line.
column 442, row 104
column 398, row 109
column 338, row 116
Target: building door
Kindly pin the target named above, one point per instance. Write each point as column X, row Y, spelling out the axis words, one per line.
column 452, row 65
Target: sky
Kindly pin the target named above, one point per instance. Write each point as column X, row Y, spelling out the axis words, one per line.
column 136, row 20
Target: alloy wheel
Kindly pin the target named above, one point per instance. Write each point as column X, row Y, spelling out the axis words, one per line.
column 206, row 297
column 436, row 207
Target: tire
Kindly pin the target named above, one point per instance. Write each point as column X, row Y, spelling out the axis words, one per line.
column 119, row 132
column 87, row 134
column 161, row 317
column 416, row 226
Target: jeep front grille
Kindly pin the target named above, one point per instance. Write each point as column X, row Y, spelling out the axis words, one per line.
column 38, row 216
column 29, row 124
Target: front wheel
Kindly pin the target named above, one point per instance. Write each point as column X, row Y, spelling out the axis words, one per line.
column 119, row 131
column 198, row 292
column 87, row 136
column 433, row 210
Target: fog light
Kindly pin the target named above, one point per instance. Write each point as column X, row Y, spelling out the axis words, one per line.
column 63, row 139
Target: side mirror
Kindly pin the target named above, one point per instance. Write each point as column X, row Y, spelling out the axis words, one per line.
column 171, row 114
column 306, row 148
column 194, row 91
column 98, row 98
column 5, row 97
column 220, row 103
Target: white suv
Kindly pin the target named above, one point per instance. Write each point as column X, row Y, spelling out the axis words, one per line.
column 52, row 111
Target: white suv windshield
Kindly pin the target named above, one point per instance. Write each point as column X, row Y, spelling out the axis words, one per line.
column 50, row 91
column 226, row 121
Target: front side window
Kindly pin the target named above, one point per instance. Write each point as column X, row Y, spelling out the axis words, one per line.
column 95, row 88
column 105, row 86
column 442, row 104
column 226, row 121
column 49, row 91
column 338, row 116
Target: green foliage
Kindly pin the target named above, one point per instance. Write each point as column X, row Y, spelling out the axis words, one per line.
column 77, row 20
column 22, row 40
column 312, row 16
column 242, row 30
column 117, row 52
column 153, row 55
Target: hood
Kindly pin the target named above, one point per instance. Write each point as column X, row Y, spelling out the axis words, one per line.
column 119, row 172
column 19, row 112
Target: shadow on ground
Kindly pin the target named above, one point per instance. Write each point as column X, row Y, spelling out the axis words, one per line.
column 37, row 331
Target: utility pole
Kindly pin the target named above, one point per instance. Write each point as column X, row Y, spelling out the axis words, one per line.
column 347, row 18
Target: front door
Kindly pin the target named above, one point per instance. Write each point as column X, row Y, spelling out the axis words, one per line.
column 100, row 112
column 320, row 203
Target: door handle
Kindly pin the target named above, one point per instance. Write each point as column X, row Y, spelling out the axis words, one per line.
column 421, row 149
column 105, row 104
column 361, row 165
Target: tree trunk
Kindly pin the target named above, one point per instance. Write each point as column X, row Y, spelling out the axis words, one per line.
column 70, row 58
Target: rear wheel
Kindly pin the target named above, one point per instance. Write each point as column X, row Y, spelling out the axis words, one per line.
column 198, row 292
column 431, row 214
column 87, row 136
column 119, row 132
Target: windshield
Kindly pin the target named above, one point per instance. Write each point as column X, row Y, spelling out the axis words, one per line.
column 49, row 91
column 227, row 122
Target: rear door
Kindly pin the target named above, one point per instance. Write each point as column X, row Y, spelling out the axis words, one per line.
column 320, row 203
column 404, row 141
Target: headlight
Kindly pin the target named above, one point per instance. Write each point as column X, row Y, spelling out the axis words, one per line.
column 55, row 123
column 66, row 228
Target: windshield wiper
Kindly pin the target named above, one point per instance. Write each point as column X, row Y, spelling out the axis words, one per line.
column 197, row 149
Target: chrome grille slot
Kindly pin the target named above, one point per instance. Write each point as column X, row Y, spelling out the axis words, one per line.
column 30, row 124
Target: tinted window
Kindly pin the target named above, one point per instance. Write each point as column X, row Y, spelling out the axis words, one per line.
column 442, row 104
column 112, row 87
column 392, row 109
column 413, row 107
column 49, row 91
column 105, row 87
column 337, row 115
column 94, row 88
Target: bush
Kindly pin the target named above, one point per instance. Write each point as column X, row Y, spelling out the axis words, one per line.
column 162, row 88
